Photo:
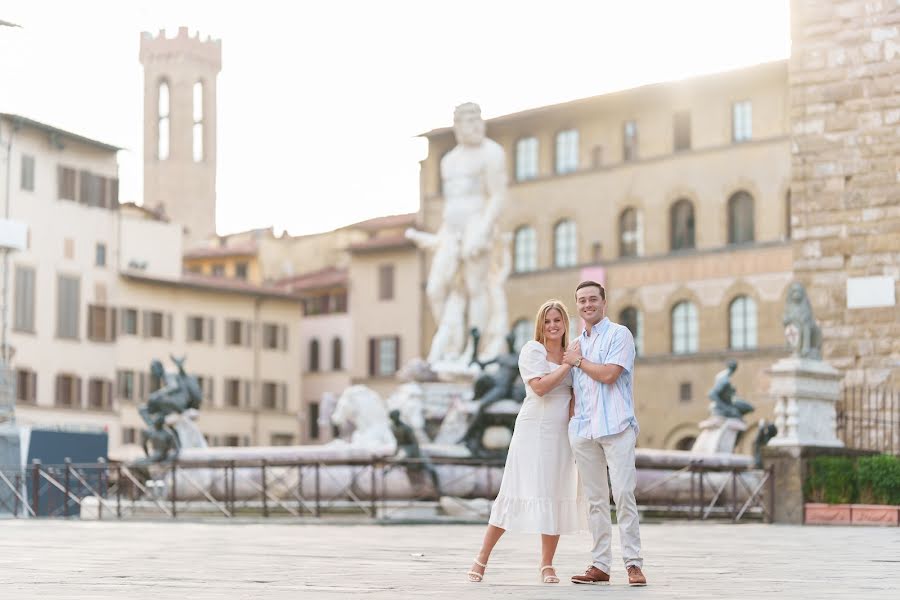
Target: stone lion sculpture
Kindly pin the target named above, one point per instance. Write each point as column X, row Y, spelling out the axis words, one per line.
column 800, row 329
column 363, row 408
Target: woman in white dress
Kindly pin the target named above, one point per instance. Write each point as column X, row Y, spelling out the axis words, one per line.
column 539, row 492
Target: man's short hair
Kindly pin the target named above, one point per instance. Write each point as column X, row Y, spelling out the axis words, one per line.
column 590, row 283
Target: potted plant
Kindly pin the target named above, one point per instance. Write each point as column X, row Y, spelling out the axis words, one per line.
column 829, row 489
column 878, row 481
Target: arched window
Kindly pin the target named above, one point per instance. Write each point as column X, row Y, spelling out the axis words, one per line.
column 314, row 356
column 525, row 253
column 198, row 121
column 337, row 355
column 523, row 331
column 565, row 244
column 631, row 239
column 684, row 328
column 632, row 318
column 567, row 151
column 740, row 218
column 681, row 218
column 162, row 150
column 526, row 158
column 742, row 323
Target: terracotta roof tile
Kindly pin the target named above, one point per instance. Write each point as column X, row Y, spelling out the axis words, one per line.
column 327, row 277
column 391, row 242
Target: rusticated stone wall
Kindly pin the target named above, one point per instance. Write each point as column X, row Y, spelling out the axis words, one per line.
column 844, row 78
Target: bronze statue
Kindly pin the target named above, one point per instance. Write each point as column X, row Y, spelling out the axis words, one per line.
column 408, row 445
column 503, row 384
column 800, row 329
column 178, row 393
column 161, row 442
column 765, row 432
column 725, row 402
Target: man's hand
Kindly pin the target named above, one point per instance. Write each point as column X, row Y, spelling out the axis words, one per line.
column 572, row 353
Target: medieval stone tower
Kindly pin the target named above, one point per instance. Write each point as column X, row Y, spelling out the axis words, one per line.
column 180, row 129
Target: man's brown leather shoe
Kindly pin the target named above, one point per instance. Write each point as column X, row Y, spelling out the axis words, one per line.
column 635, row 576
column 593, row 575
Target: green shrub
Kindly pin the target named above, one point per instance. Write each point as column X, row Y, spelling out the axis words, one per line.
column 831, row 479
column 878, row 479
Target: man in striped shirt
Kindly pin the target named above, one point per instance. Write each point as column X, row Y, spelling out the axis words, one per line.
column 603, row 432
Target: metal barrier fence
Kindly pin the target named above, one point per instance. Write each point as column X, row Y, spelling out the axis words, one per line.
column 869, row 419
column 314, row 489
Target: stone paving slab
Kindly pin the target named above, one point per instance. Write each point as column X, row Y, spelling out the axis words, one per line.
column 168, row 560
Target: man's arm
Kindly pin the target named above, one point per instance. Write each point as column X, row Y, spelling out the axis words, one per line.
column 607, row 374
column 604, row 373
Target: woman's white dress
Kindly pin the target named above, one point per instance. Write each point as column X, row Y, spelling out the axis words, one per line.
column 540, row 491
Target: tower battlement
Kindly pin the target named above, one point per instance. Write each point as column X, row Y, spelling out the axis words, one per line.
column 160, row 48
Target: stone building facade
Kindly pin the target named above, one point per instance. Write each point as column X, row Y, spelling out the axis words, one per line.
column 844, row 80
column 675, row 196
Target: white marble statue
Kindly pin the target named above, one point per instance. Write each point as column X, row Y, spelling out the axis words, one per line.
column 468, row 250
column 363, row 408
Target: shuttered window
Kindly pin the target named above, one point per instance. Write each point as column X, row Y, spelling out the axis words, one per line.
column 23, row 317
column 68, row 292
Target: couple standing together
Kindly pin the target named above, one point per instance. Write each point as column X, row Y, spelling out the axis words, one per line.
column 578, row 413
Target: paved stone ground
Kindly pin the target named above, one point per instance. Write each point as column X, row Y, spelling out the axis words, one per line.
column 165, row 560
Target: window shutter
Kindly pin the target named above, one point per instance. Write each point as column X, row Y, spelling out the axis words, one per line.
column 210, row 381
column 284, row 338
column 145, row 330
column 248, row 341
column 248, row 401
column 282, row 396
column 32, row 391
column 114, row 192
column 396, row 353
column 211, row 331
column 111, row 326
column 76, row 381
column 373, row 356
column 84, row 187
column 60, row 182
column 168, row 324
column 142, row 387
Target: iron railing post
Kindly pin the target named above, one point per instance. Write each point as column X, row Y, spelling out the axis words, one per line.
column 67, row 485
column 118, row 490
column 18, row 489
column 174, row 490
column 265, row 502
column 35, row 485
column 318, row 482
column 734, row 508
column 372, row 495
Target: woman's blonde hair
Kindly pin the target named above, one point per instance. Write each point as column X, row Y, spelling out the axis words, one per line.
column 542, row 314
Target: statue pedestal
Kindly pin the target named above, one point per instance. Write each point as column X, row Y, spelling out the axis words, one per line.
column 805, row 393
column 718, row 434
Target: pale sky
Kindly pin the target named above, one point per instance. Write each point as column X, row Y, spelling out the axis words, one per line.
column 319, row 102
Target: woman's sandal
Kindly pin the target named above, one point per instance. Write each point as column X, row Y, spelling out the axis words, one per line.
column 475, row 577
column 549, row 578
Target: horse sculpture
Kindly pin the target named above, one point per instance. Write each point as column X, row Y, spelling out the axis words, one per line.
column 363, row 408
